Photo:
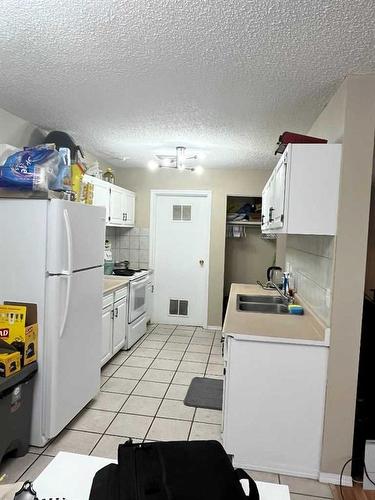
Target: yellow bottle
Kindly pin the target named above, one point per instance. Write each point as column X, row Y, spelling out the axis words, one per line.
column 77, row 174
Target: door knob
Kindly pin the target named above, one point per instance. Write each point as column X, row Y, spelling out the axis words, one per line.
column 201, row 262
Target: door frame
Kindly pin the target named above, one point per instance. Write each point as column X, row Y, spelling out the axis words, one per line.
column 154, row 194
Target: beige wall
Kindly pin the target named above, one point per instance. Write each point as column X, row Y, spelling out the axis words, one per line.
column 349, row 116
column 221, row 183
column 246, row 259
column 17, row 132
column 370, row 267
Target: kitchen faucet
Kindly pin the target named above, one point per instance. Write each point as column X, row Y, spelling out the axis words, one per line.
column 288, row 298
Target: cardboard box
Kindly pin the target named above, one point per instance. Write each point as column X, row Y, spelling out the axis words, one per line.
column 10, row 359
column 19, row 327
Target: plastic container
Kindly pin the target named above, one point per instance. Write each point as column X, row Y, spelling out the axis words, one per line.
column 16, row 400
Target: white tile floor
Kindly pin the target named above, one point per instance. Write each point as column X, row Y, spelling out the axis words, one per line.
column 142, row 397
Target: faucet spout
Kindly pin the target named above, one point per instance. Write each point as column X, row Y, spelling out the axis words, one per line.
column 288, row 299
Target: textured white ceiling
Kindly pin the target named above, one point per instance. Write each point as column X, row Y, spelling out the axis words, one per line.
column 136, row 77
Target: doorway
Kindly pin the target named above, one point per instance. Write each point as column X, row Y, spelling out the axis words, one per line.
column 248, row 252
column 180, row 224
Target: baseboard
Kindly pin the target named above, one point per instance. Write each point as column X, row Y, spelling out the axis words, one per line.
column 324, row 477
column 275, row 470
column 211, row 327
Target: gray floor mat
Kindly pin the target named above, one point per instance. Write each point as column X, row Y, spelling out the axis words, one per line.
column 205, row 393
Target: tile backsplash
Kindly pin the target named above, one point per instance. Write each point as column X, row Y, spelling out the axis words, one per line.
column 310, row 259
column 130, row 244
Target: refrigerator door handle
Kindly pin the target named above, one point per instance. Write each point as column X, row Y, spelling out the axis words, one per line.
column 68, row 277
column 69, row 240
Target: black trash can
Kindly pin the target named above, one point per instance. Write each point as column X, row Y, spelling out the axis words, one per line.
column 16, row 401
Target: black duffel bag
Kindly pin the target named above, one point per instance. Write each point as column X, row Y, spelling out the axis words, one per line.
column 175, row 470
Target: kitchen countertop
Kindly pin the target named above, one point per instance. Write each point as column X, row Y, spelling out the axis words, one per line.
column 290, row 328
column 113, row 283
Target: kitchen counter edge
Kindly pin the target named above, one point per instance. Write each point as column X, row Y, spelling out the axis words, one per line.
column 307, row 329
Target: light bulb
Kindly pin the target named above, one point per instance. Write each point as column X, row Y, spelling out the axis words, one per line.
column 198, row 170
column 152, row 164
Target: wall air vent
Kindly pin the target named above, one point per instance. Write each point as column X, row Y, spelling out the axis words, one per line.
column 181, row 213
column 178, row 307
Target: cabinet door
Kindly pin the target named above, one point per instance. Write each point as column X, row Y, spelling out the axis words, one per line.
column 120, row 324
column 107, row 322
column 129, row 208
column 117, row 206
column 101, row 194
column 277, row 204
column 266, row 205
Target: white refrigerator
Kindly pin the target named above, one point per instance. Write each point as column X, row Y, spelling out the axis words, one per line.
column 52, row 254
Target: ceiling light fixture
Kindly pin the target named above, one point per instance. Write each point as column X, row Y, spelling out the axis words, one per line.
column 178, row 161
column 153, row 165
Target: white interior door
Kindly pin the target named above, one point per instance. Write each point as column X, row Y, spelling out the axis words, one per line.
column 180, row 235
column 73, row 345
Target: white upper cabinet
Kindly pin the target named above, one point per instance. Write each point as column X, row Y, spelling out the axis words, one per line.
column 117, row 206
column 100, row 194
column 119, row 202
column 301, row 196
column 129, row 208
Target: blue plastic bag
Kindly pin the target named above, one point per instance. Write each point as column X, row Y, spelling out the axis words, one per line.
column 31, row 169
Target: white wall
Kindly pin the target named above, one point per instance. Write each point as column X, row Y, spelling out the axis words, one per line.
column 18, row 132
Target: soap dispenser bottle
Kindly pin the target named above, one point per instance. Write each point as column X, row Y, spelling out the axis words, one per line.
column 286, row 283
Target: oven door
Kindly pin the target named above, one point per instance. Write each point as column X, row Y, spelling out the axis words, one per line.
column 137, row 298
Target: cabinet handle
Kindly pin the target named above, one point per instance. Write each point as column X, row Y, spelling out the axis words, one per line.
column 270, row 218
column 112, row 314
column 116, row 312
column 124, row 216
column 262, row 219
column 152, row 288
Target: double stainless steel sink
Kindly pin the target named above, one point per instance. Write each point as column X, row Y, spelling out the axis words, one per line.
column 262, row 304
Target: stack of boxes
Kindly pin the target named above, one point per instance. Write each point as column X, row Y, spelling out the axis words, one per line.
column 18, row 336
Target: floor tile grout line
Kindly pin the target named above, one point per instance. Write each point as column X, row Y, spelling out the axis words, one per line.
column 117, row 412
column 29, row 466
column 139, row 380
column 169, row 387
column 162, row 399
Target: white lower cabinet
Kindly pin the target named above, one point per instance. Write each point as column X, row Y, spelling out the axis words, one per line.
column 120, row 323
column 107, row 325
column 114, row 323
column 273, row 408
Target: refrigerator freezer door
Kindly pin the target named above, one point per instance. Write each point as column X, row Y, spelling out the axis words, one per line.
column 76, row 235
column 73, row 345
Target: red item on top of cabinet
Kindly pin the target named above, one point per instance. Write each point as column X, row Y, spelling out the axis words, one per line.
column 291, row 137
